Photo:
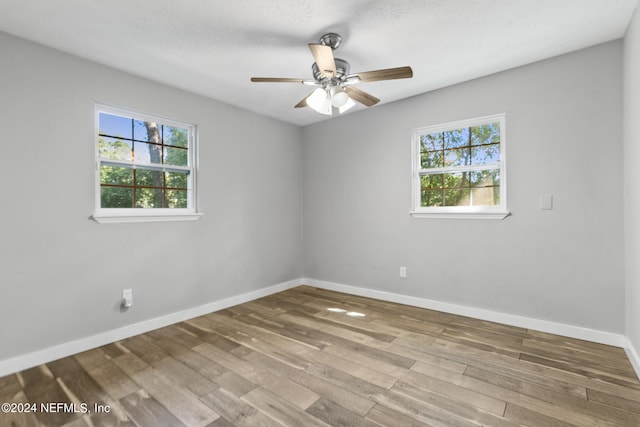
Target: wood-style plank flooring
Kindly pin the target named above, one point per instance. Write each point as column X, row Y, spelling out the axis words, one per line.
column 311, row 357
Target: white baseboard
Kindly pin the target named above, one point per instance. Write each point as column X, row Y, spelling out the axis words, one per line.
column 25, row 361
column 633, row 356
column 608, row 338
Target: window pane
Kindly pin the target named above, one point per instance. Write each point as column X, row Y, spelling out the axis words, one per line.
column 433, row 159
column 177, row 179
column 431, row 198
column 109, row 124
column 457, row 197
column 456, row 138
column 176, row 136
column 116, row 197
column 487, row 196
column 485, row 134
column 149, row 178
column 485, row 178
column 116, row 175
column 146, row 131
column 431, row 142
column 176, row 156
column 176, row 198
column 456, row 157
column 148, row 153
column 145, row 144
column 113, row 148
column 432, row 181
column 485, row 154
column 456, row 180
column 459, row 167
column 149, row 198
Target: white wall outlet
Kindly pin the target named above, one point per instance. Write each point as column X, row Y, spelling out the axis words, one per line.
column 127, row 298
column 403, row 272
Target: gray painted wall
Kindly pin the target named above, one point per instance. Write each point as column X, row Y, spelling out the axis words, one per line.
column 632, row 177
column 564, row 120
column 61, row 274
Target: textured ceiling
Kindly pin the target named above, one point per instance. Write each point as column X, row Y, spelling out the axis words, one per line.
column 213, row 47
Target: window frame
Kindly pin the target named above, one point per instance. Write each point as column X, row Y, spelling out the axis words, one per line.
column 121, row 215
column 459, row 212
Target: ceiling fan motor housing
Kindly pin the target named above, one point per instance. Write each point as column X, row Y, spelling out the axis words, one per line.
column 342, row 70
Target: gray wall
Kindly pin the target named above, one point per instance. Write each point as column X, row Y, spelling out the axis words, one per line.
column 61, row 274
column 564, row 119
column 632, row 177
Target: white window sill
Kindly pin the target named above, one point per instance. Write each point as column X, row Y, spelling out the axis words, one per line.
column 460, row 215
column 105, row 218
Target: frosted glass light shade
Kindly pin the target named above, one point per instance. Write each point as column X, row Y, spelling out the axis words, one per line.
column 316, row 99
column 339, row 99
column 347, row 105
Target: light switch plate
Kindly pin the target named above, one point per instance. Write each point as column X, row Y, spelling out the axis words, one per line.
column 546, row 202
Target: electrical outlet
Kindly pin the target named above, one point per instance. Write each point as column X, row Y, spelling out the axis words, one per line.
column 403, row 272
column 127, row 298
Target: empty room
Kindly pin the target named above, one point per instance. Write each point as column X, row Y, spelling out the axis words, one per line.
column 330, row 213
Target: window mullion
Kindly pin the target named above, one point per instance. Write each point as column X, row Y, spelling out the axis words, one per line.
column 453, row 169
column 135, row 186
column 148, row 166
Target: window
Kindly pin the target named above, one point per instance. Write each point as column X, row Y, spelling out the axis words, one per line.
column 459, row 169
column 145, row 168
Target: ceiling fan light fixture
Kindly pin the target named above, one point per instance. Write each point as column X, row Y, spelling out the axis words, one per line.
column 319, row 101
column 326, row 108
column 339, row 97
column 347, row 105
column 316, row 98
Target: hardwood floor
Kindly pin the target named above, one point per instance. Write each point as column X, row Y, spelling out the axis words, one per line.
column 311, row 357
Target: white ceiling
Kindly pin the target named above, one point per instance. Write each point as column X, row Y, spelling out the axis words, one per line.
column 213, row 47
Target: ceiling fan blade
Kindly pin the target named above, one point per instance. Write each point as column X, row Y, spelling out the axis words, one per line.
column 361, row 96
column 386, row 74
column 324, row 58
column 275, row 80
column 302, row 103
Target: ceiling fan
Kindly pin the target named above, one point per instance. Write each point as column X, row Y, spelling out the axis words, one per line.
column 335, row 91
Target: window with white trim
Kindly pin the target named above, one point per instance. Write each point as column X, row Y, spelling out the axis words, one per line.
column 145, row 167
column 459, row 169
